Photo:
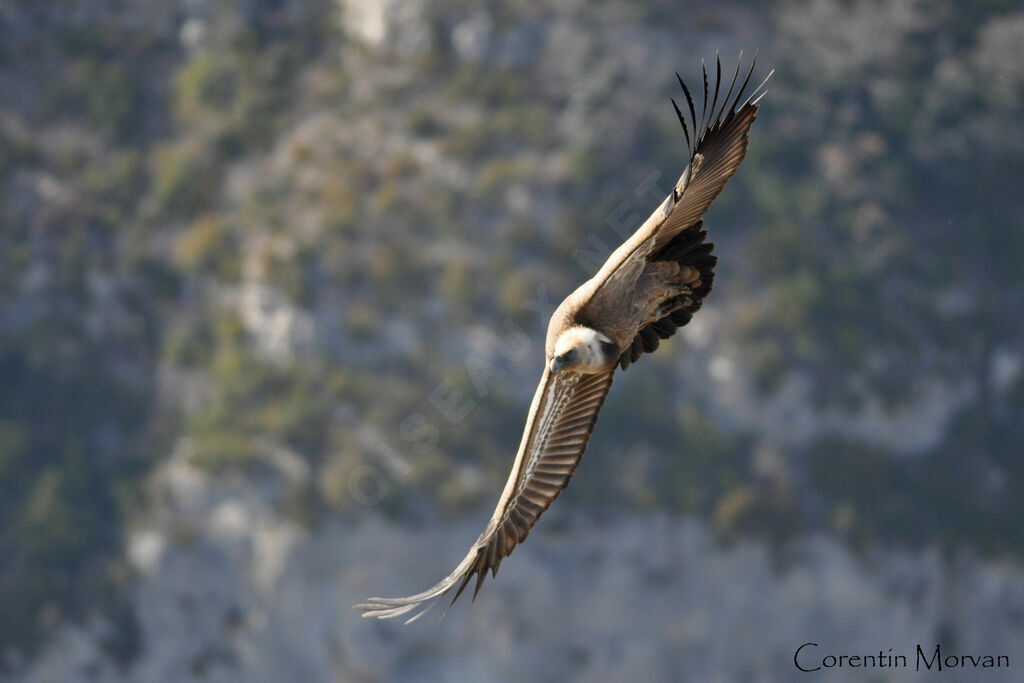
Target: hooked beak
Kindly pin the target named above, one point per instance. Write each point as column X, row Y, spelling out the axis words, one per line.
column 557, row 363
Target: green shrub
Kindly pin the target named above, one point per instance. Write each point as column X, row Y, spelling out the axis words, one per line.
column 185, row 181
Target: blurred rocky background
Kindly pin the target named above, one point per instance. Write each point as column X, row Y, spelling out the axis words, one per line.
column 274, row 277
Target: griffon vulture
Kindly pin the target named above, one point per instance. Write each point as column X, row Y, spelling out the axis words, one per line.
column 651, row 285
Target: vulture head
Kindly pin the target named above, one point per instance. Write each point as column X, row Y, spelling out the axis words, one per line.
column 583, row 349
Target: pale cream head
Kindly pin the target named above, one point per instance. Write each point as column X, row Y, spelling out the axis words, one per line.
column 583, row 349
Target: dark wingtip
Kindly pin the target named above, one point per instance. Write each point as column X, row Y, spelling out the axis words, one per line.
column 712, row 114
column 682, row 121
column 480, row 576
column 718, row 85
column 704, row 104
column 746, row 82
column 693, row 113
column 462, row 587
column 727, row 111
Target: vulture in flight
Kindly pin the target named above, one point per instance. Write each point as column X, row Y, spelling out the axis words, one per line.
column 651, row 285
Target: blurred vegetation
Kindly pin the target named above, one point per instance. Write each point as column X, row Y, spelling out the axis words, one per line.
column 272, row 239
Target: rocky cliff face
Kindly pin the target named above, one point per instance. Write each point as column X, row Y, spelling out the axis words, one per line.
column 272, row 280
column 227, row 590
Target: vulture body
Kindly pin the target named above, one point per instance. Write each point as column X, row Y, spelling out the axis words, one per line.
column 651, row 285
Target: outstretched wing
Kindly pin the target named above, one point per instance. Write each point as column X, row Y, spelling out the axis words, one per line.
column 558, row 428
column 718, row 145
column 689, row 249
